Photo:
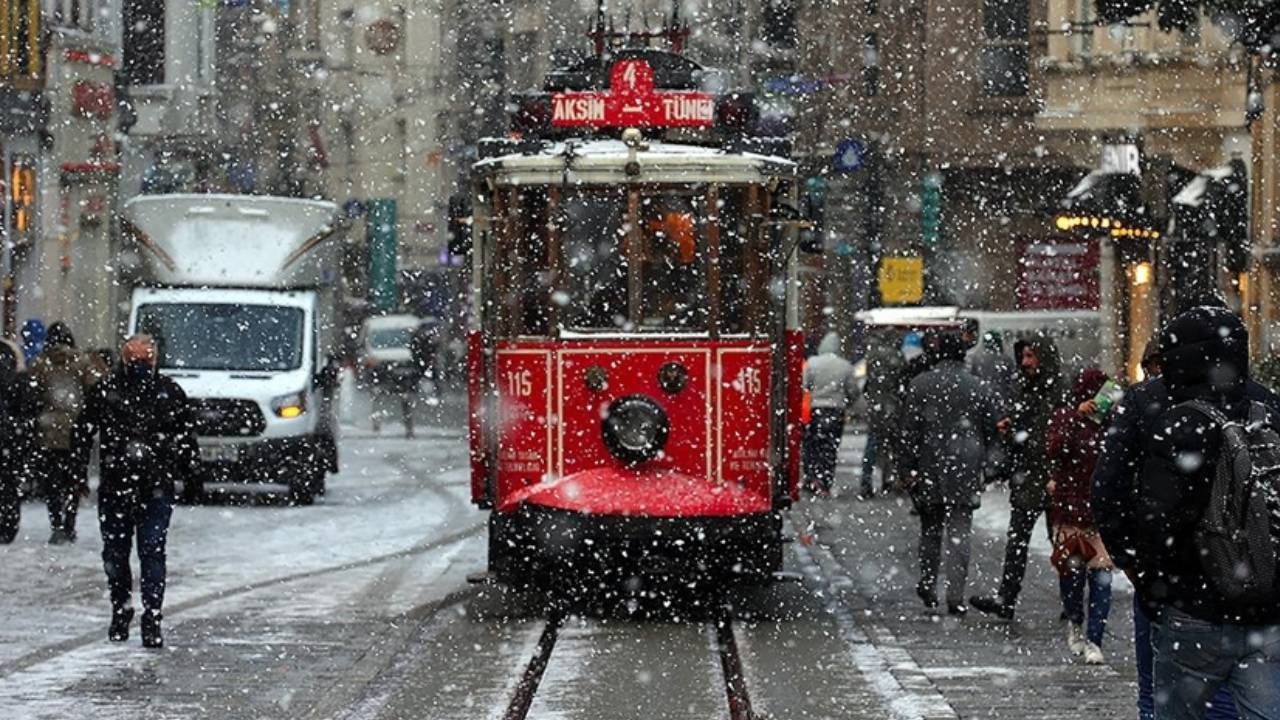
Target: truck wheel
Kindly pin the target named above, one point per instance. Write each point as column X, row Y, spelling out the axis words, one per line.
column 300, row 492
column 192, row 492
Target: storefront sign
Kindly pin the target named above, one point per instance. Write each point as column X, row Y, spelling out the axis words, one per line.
column 632, row 101
column 90, row 99
column 901, row 280
column 1058, row 273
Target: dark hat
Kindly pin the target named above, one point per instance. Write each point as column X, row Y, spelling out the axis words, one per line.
column 1205, row 349
column 60, row 334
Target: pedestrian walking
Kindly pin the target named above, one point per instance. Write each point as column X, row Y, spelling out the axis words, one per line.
column 1114, row 498
column 829, row 380
column 949, row 421
column 1037, row 393
column 17, row 413
column 62, row 377
column 884, row 363
column 145, row 428
column 1204, row 572
column 1073, row 443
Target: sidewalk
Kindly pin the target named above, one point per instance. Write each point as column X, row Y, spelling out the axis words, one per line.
column 983, row 667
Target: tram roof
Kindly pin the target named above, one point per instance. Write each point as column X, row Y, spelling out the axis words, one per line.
column 604, row 162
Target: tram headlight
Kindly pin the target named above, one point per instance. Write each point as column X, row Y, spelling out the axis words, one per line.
column 673, row 377
column 635, row 428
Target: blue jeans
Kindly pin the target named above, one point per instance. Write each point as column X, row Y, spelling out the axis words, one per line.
column 1223, row 708
column 869, row 455
column 120, row 517
column 1071, row 589
column 1194, row 658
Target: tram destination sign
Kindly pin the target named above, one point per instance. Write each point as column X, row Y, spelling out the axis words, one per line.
column 632, row 101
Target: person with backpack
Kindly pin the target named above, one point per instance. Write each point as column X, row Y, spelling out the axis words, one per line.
column 1038, row 392
column 1114, row 496
column 17, row 412
column 1079, row 555
column 148, row 442
column 62, row 377
column 1205, row 542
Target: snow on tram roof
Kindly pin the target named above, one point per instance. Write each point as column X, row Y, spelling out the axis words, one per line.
column 604, row 161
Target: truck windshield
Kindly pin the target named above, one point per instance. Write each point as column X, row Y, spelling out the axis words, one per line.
column 223, row 336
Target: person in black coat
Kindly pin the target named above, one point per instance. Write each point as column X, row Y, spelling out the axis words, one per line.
column 145, row 425
column 18, row 407
column 1147, row 499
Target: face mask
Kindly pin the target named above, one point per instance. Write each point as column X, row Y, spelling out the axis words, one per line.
column 138, row 369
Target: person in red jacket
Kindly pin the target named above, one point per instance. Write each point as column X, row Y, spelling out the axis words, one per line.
column 1073, row 441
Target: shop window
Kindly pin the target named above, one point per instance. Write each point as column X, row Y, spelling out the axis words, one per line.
column 1004, row 64
column 20, row 41
column 144, row 42
column 22, row 188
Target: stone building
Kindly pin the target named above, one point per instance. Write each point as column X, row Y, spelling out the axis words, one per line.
column 1166, row 112
column 918, row 120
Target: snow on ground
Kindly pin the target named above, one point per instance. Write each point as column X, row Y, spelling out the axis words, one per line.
column 392, row 495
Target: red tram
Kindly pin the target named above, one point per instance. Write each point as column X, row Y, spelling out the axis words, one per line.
column 634, row 359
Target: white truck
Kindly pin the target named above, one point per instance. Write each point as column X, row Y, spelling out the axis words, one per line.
column 241, row 295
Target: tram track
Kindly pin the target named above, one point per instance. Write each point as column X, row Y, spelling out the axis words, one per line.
column 723, row 645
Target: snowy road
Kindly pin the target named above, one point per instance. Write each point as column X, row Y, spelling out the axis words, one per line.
column 355, row 609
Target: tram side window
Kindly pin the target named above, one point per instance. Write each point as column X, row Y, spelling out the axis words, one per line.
column 533, row 256
column 673, row 295
column 595, row 268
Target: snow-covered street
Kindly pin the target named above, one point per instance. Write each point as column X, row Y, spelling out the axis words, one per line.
column 355, row 608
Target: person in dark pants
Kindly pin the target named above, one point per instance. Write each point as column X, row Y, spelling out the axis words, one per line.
column 1040, row 390
column 63, row 377
column 828, row 378
column 1115, row 500
column 144, row 422
column 17, row 451
column 949, row 420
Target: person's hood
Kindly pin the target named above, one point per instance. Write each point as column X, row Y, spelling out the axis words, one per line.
column 1087, row 384
column 60, row 355
column 830, row 344
column 1046, row 349
column 1205, row 354
column 949, row 346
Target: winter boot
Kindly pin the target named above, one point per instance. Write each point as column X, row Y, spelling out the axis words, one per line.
column 991, row 605
column 120, row 621
column 927, row 596
column 1075, row 639
column 957, row 609
column 1093, row 654
column 151, row 635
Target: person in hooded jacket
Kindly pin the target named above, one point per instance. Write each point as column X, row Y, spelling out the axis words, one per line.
column 63, row 377
column 829, row 380
column 1114, row 497
column 1074, row 440
column 1038, row 392
column 147, row 442
column 949, row 422
column 17, row 424
column 1201, row 641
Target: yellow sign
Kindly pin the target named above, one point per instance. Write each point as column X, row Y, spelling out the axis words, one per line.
column 901, row 280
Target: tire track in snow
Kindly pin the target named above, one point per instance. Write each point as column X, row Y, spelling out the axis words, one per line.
column 50, row 652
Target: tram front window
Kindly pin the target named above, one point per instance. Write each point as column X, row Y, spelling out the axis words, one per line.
column 667, row 290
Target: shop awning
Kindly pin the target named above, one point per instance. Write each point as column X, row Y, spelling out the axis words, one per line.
column 1106, row 194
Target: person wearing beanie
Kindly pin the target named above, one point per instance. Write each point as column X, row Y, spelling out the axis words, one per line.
column 63, row 377
column 1128, row 447
column 148, row 442
column 949, row 421
column 829, row 380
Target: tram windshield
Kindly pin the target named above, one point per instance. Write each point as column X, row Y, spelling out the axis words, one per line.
column 673, row 259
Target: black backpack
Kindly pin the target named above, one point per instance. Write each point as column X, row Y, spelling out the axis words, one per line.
column 1238, row 535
